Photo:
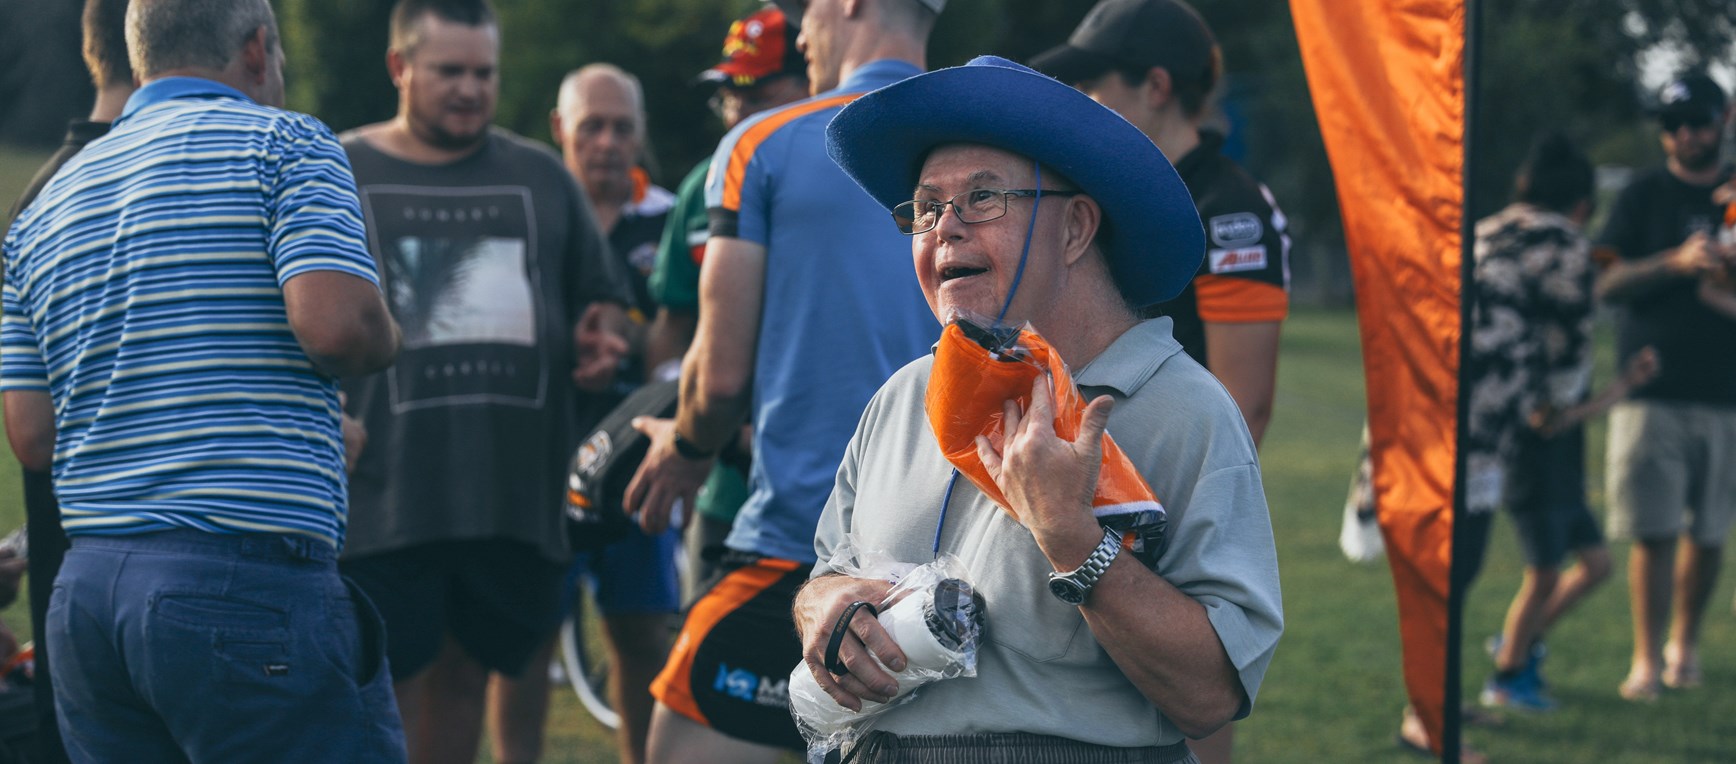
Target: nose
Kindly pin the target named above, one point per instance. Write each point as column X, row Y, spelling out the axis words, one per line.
column 949, row 225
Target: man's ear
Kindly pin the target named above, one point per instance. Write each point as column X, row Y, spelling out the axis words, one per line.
column 1082, row 220
column 555, row 124
column 1159, row 87
column 256, row 54
column 396, row 63
column 852, row 8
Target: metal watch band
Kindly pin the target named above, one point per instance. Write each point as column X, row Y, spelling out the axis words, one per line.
column 1086, row 575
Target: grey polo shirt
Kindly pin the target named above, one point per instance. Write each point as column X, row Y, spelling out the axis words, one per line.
column 1041, row 670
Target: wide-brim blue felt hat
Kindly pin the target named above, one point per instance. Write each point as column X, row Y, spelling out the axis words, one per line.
column 1155, row 240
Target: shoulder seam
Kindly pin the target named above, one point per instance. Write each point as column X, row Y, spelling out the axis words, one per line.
column 749, row 142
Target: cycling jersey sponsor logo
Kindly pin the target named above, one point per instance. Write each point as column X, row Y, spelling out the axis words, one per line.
column 1236, row 229
column 1235, row 260
column 745, row 685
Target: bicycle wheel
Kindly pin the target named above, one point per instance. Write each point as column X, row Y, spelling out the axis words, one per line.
column 585, row 662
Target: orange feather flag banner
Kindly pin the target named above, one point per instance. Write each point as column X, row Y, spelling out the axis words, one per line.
column 1389, row 83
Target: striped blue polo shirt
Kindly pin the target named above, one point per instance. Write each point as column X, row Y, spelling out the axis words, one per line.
column 143, row 291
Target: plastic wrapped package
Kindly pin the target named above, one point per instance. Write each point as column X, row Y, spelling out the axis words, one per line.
column 934, row 615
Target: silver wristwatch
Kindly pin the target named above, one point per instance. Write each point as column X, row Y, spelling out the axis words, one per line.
column 1073, row 588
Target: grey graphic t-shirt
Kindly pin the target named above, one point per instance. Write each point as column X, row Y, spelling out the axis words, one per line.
column 487, row 263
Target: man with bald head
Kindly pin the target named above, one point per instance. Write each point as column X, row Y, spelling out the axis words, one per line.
column 599, row 123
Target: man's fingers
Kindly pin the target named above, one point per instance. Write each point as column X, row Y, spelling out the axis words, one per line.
column 1010, row 419
column 1096, row 419
column 832, row 688
column 1042, row 413
column 875, row 638
column 636, row 488
column 986, row 453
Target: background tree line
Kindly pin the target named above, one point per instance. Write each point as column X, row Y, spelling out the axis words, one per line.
column 1570, row 64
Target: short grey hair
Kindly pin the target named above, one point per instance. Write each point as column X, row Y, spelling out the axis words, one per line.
column 568, row 99
column 165, row 35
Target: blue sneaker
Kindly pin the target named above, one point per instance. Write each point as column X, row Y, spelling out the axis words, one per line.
column 1533, row 668
column 1519, row 693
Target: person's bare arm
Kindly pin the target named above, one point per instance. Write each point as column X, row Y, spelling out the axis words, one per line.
column 30, row 428
column 716, row 382
column 1244, row 356
column 1719, row 295
column 341, row 322
column 1625, row 281
column 671, row 333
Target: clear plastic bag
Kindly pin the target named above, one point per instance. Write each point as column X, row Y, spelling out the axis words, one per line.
column 935, row 616
column 977, row 367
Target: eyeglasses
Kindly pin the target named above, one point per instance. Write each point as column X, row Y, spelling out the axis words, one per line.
column 1695, row 120
column 975, row 206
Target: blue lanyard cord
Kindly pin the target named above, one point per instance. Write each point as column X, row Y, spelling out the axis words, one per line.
column 944, row 501
column 1031, row 228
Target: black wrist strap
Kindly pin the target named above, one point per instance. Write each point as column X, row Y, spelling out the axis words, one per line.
column 688, row 450
column 841, row 628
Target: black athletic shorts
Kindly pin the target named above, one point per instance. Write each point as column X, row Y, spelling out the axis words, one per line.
column 499, row 599
column 1546, row 498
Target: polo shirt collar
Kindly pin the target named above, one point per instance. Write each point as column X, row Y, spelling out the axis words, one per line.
column 169, row 88
column 1132, row 358
column 878, row 74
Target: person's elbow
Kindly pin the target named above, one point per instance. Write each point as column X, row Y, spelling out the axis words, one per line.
column 30, row 429
column 366, row 343
column 1209, row 713
column 341, row 322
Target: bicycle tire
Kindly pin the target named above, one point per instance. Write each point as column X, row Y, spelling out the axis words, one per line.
column 587, row 670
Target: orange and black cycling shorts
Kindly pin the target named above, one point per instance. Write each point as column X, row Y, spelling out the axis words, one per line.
column 730, row 667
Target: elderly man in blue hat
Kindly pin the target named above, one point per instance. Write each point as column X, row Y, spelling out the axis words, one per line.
column 1030, row 203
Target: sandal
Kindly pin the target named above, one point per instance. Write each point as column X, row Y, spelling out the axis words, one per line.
column 1639, row 690
column 1680, row 673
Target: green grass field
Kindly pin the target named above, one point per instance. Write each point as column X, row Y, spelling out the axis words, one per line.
column 1334, row 691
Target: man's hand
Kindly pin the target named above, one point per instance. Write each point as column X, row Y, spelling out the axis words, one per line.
column 12, row 569
column 664, row 477
column 355, row 435
column 1698, row 256
column 1048, row 481
column 818, row 606
column 601, row 344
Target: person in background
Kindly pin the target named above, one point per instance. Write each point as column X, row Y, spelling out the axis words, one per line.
column 599, row 124
column 1530, row 371
column 1670, row 486
column 192, row 421
column 512, row 308
column 105, row 55
column 761, row 70
column 801, row 317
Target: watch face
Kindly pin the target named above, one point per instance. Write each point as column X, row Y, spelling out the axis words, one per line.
column 1067, row 590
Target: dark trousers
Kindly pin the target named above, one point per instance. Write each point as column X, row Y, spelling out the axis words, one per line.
column 47, row 546
column 185, row 645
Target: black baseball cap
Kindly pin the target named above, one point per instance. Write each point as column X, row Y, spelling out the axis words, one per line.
column 1691, row 98
column 1132, row 34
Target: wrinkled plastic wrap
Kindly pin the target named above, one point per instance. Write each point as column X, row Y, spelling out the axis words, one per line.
column 976, row 369
column 935, row 616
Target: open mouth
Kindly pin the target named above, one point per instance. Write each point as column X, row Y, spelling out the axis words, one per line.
column 959, row 272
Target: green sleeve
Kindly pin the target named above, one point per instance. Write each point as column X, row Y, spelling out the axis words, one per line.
column 674, row 279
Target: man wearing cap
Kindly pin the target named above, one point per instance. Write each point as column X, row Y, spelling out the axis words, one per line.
column 761, row 69
column 801, row 317
column 1027, row 198
column 1670, row 485
column 1156, row 63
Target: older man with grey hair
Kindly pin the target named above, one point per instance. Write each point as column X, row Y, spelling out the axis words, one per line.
column 177, row 307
